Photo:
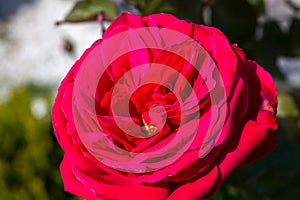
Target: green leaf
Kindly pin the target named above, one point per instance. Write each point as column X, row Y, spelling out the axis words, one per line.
column 286, row 106
column 87, row 10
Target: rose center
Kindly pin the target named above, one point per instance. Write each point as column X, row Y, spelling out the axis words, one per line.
column 154, row 120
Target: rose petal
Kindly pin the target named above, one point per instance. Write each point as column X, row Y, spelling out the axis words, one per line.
column 114, row 187
column 252, row 140
column 265, row 100
column 72, row 184
column 197, row 188
column 163, row 19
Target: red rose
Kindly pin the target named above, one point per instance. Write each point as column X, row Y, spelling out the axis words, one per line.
column 161, row 109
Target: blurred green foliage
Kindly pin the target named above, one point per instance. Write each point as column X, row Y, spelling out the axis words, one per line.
column 29, row 154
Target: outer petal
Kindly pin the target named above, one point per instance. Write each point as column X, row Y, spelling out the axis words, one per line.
column 72, row 184
column 262, row 93
column 197, row 188
column 121, row 188
column 163, row 19
column 132, row 21
column 127, row 19
column 61, row 116
column 252, row 141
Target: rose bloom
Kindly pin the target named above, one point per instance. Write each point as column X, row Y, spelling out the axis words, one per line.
column 242, row 131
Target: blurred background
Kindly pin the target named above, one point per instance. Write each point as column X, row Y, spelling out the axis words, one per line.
column 41, row 39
